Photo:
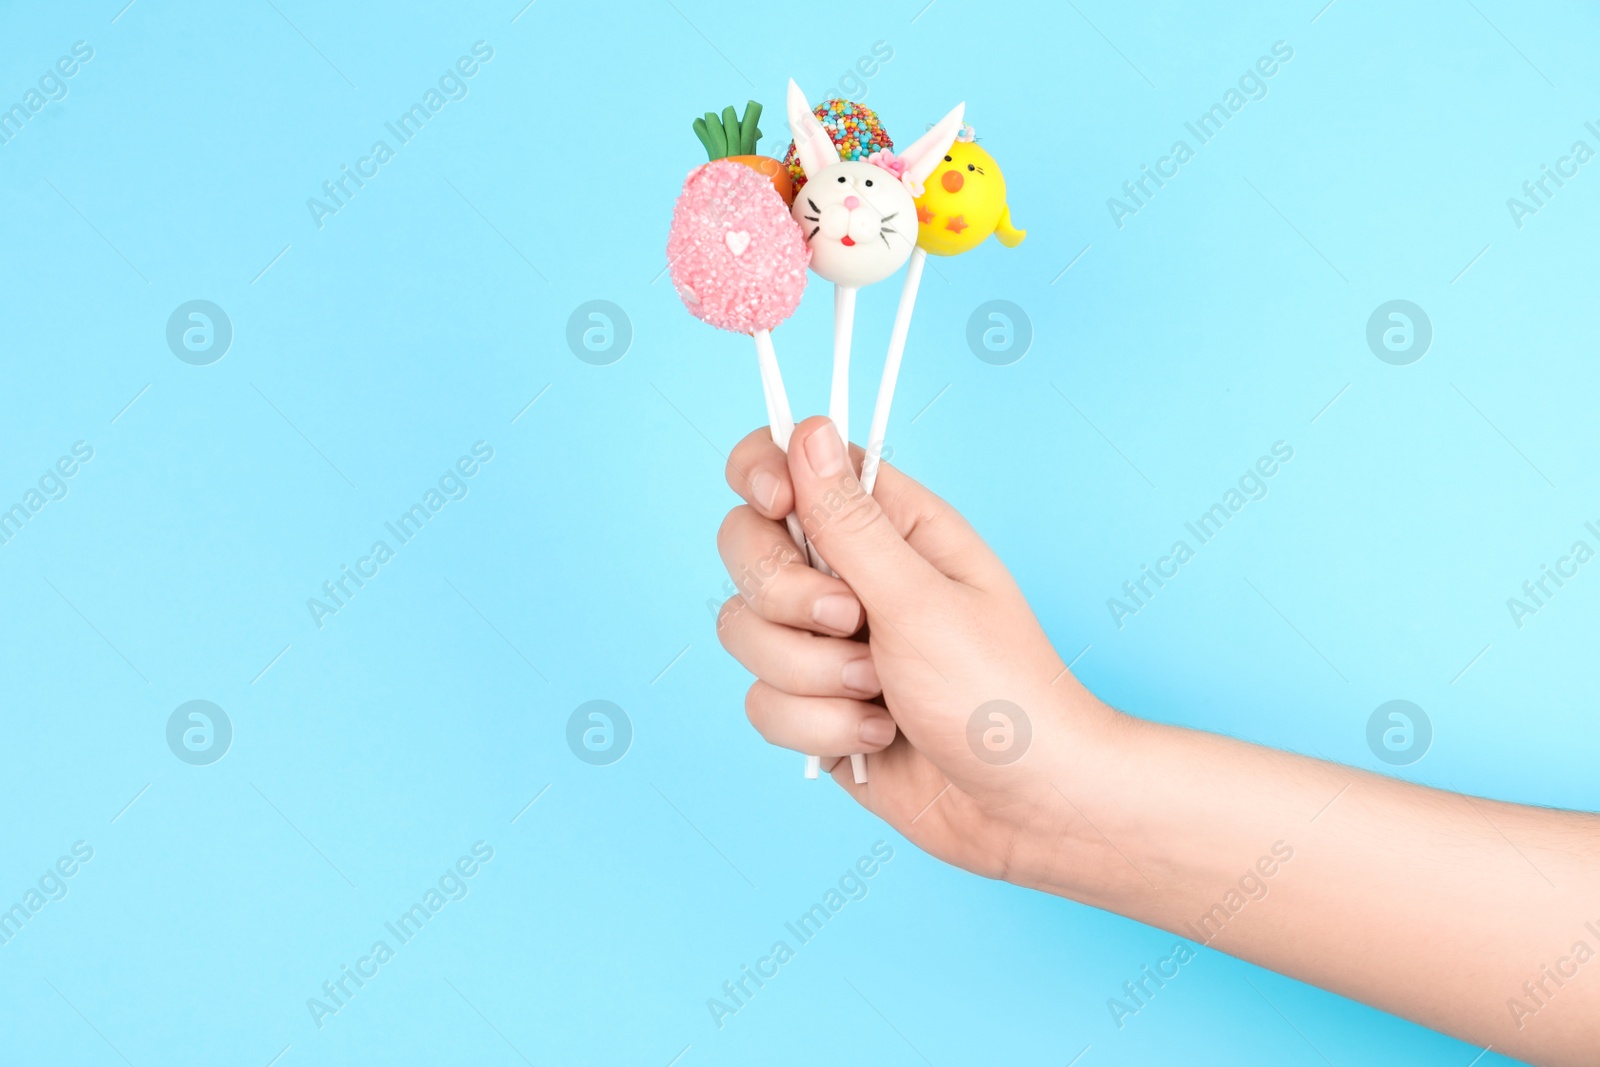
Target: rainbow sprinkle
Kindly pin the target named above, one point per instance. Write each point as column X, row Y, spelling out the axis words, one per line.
column 853, row 128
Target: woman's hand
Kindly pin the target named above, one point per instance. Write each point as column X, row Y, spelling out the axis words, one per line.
column 972, row 722
column 1004, row 765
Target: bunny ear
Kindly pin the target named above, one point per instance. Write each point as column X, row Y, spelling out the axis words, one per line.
column 923, row 155
column 811, row 142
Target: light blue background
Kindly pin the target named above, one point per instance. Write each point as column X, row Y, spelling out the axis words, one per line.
column 426, row 315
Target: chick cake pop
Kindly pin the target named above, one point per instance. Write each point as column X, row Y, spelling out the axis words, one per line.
column 963, row 203
column 854, row 129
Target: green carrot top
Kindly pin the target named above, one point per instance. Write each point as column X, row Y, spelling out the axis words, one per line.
column 729, row 135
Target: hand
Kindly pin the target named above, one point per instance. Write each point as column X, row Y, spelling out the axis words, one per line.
column 947, row 632
column 1355, row 882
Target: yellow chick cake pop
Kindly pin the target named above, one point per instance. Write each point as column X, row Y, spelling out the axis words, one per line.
column 964, row 202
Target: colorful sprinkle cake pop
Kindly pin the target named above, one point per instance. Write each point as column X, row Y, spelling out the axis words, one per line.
column 854, row 130
column 737, row 257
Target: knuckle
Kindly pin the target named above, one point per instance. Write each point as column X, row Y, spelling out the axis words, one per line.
column 727, row 617
column 840, row 511
column 757, row 700
column 730, row 525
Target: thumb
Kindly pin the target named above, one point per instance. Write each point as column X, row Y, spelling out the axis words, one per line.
column 849, row 529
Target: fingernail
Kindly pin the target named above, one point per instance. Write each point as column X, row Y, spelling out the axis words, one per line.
column 837, row 612
column 824, row 451
column 764, row 487
column 878, row 730
column 861, row 675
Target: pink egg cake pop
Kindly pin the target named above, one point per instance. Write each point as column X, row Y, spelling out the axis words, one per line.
column 737, row 257
column 739, row 262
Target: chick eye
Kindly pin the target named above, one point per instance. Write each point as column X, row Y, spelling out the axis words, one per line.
column 947, row 159
column 841, row 179
column 868, row 183
column 971, row 167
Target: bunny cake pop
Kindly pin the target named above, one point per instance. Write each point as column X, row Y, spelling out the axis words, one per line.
column 858, row 213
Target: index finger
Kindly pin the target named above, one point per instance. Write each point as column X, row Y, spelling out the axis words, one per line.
column 758, row 471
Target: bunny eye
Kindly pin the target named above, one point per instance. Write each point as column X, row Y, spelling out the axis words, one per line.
column 841, row 179
column 868, row 183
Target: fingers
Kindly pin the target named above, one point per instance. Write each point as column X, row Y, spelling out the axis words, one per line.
column 758, row 471
column 826, row 726
column 774, row 579
column 850, row 530
column 796, row 661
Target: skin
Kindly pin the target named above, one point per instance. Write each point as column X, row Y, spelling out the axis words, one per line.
column 1434, row 906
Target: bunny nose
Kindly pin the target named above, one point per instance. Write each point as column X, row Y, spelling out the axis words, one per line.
column 952, row 181
column 851, row 203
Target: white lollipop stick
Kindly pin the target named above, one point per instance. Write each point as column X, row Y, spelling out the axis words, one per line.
column 844, row 322
column 891, row 369
column 781, row 420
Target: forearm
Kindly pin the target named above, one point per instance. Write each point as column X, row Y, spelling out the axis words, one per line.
column 1431, row 905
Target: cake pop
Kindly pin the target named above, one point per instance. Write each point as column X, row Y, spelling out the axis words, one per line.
column 857, row 215
column 738, row 262
column 854, row 129
column 857, row 219
column 735, row 139
column 963, row 204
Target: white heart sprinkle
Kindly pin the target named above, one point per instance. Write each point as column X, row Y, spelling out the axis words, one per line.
column 737, row 241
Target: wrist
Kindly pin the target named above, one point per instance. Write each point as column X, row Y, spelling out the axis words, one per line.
column 1071, row 837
